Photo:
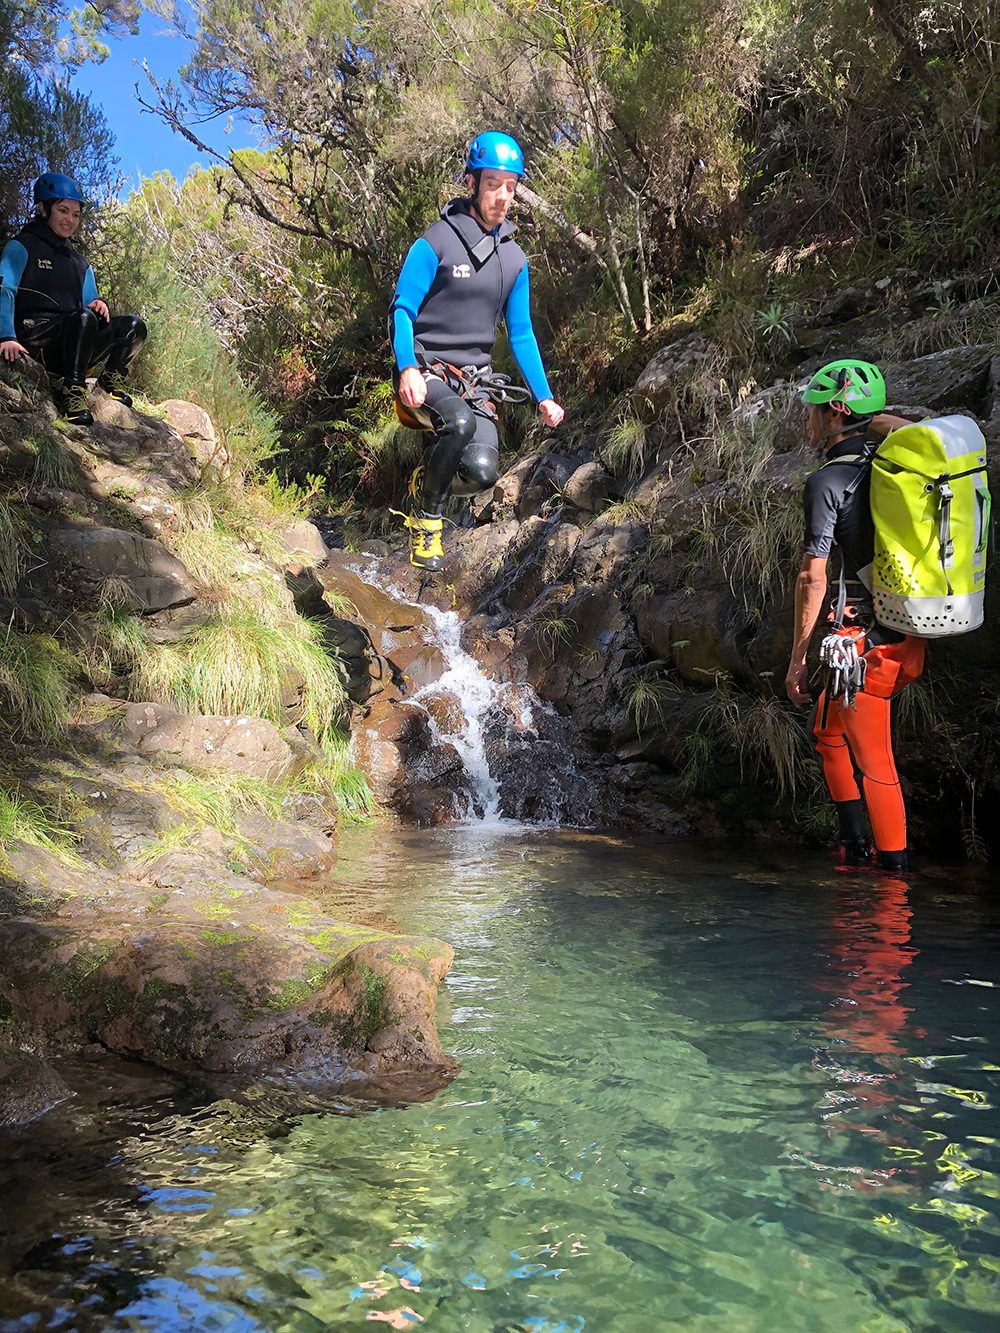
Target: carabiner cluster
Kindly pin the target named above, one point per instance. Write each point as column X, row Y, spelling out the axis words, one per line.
column 846, row 667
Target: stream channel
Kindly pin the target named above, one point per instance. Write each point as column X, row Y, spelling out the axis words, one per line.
column 700, row 1087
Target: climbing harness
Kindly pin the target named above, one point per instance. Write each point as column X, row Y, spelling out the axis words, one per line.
column 483, row 386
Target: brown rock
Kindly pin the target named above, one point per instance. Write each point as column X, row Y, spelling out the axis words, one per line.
column 250, row 746
column 28, row 1088
column 304, row 544
column 195, row 427
column 587, row 488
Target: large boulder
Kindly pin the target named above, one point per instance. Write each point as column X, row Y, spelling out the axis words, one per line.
column 85, row 560
column 956, row 380
column 216, row 977
column 667, row 372
column 249, row 746
column 418, row 777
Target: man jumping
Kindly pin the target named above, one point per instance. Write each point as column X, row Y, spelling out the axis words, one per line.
column 459, row 279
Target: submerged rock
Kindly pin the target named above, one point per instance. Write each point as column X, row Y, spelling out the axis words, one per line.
column 224, row 980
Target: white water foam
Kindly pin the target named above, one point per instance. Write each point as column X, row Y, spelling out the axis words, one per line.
column 505, row 720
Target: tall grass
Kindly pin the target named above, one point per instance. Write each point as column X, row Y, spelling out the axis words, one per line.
column 237, row 665
column 764, row 734
column 389, row 453
column 755, row 541
column 336, row 775
column 24, row 820
column 244, row 509
column 35, row 676
column 13, row 547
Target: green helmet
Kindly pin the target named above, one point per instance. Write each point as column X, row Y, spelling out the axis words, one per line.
column 857, row 384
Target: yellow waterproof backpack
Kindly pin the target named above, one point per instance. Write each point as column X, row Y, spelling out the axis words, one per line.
column 931, row 505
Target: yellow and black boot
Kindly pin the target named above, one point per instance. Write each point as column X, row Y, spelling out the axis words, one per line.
column 71, row 400
column 113, row 384
column 426, row 550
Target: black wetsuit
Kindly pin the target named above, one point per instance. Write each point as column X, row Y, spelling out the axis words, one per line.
column 47, row 290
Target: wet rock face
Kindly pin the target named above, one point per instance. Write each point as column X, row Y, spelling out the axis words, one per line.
column 28, row 1088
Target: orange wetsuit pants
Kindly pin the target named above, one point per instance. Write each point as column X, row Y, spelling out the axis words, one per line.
column 858, row 740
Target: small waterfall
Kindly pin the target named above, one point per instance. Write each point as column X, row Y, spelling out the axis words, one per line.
column 477, row 696
column 515, row 749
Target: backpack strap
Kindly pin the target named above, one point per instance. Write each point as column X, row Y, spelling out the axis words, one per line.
column 862, row 462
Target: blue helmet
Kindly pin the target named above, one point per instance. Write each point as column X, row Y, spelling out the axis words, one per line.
column 497, row 152
column 53, row 186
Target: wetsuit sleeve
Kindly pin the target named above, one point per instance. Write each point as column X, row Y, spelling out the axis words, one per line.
column 523, row 342
column 89, row 287
column 819, row 500
column 12, row 265
column 418, row 272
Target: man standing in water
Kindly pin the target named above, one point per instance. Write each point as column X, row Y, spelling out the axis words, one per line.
column 458, row 280
column 844, row 412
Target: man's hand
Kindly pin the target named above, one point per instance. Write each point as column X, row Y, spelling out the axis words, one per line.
column 412, row 387
column 550, row 412
column 99, row 307
column 11, row 350
column 797, row 683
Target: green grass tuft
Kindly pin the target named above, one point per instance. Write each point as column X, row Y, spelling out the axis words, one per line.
column 625, row 448
column 55, row 467
column 24, row 820
column 236, row 665
column 35, row 676
column 336, row 775
column 13, row 546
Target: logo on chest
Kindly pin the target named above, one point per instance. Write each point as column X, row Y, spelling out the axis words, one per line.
column 44, row 263
column 461, row 270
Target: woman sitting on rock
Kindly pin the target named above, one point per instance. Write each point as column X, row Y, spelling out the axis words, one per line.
column 50, row 309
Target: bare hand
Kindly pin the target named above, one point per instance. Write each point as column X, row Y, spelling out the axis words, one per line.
column 550, row 412
column 412, row 387
column 797, row 684
column 11, row 350
column 100, row 308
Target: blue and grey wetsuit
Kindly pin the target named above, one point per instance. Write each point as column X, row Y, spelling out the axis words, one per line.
column 457, row 282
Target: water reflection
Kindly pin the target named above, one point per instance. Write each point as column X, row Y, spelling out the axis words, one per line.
column 696, row 1092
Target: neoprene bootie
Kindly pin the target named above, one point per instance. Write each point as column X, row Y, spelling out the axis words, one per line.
column 855, row 852
column 894, row 861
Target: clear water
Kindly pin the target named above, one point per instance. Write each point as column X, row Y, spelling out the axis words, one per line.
column 700, row 1089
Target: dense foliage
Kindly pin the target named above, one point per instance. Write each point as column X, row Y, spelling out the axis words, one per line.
column 733, row 156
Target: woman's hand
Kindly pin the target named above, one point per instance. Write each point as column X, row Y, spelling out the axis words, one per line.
column 11, row 350
column 100, row 308
column 550, row 412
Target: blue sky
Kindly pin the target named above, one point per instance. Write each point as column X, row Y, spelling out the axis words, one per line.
column 144, row 143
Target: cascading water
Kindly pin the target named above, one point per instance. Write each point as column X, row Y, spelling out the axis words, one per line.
column 515, row 749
